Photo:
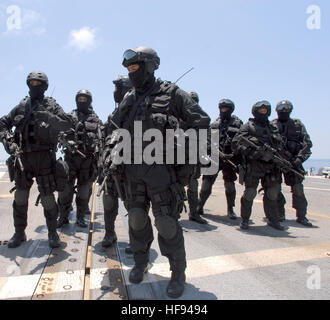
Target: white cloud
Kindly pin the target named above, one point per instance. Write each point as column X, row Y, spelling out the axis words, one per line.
column 83, row 39
column 19, row 68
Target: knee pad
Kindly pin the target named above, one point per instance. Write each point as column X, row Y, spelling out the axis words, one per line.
column 298, row 190
column 22, row 197
column 230, row 186
column 273, row 192
column 137, row 219
column 48, row 202
column 250, row 194
column 166, row 226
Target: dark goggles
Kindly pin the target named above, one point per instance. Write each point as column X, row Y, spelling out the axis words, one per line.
column 129, row 54
column 283, row 107
column 130, row 57
column 263, row 104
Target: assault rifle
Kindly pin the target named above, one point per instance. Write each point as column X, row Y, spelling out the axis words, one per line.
column 9, row 139
column 112, row 170
column 284, row 164
column 71, row 146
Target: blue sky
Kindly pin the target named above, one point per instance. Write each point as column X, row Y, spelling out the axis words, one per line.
column 245, row 50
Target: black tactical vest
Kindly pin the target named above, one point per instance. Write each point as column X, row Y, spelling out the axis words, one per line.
column 86, row 127
column 155, row 111
column 265, row 134
column 292, row 133
column 32, row 133
column 227, row 131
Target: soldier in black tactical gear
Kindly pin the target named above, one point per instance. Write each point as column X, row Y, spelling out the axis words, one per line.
column 156, row 105
column 298, row 147
column 254, row 143
column 80, row 144
column 110, row 196
column 228, row 126
column 192, row 190
column 37, row 121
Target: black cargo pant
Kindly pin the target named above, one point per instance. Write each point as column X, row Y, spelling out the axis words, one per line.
column 82, row 170
column 111, row 205
column 192, row 191
column 271, row 180
column 39, row 165
column 229, row 177
column 299, row 201
column 155, row 184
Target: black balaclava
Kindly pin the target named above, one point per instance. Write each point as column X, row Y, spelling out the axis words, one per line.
column 283, row 116
column 261, row 118
column 225, row 116
column 83, row 107
column 37, row 92
column 141, row 78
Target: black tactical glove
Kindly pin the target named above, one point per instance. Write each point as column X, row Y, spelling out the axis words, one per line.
column 106, row 157
column 12, row 148
column 229, row 156
column 297, row 163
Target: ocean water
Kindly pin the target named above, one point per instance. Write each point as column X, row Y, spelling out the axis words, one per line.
column 316, row 164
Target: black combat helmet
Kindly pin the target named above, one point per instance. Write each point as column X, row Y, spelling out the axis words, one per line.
column 84, row 106
column 123, row 81
column 260, row 105
column 123, row 85
column 261, row 118
column 226, row 115
column 40, row 76
column 284, row 109
column 37, row 91
column 85, row 93
column 284, row 105
column 142, row 54
column 194, row 96
column 227, row 103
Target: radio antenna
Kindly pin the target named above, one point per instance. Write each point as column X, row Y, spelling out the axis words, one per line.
column 183, row 75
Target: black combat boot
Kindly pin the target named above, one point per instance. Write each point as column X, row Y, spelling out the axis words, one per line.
column 244, row 224
column 17, row 239
column 176, row 286
column 63, row 220
column 276, row 225
column 282, row 218
column 80, row 220
column 194, row 216
column 200, row 208
column 137, row 273
column 53, row 239
column 109, row 239
column 231, row 214
column 305, row 222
